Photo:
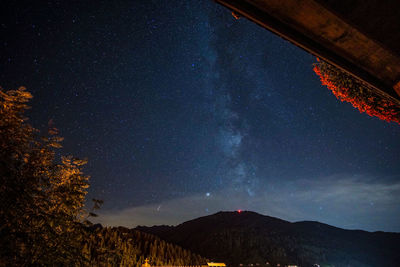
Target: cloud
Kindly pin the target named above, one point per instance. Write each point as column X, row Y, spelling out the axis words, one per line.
column 343, row 201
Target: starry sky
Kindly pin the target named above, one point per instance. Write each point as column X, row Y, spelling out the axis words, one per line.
column 183, row 111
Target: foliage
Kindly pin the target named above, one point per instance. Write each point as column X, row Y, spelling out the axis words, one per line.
column 43, row 221
column 41, row 202
column 120, row 246
column 346, row 88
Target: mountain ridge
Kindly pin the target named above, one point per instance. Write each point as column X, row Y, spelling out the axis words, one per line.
column 247, row 237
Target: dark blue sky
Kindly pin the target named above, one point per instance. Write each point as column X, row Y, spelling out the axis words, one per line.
column 183, row 111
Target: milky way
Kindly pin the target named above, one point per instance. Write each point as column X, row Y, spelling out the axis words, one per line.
column 183, row 110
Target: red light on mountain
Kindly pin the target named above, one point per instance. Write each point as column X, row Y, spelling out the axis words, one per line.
column 239, row 211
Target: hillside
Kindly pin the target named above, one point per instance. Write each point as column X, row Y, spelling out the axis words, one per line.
column 119, row 246
column 248, row 237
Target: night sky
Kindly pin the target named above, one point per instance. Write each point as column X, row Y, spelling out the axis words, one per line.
column 183, row 111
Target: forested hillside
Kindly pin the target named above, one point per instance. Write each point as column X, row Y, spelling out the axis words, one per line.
column 119, row 246
column 251, row 238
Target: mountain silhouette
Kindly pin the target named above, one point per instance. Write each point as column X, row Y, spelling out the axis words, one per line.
column 250, row 238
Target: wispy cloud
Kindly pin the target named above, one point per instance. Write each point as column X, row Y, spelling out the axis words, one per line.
column 344, row 201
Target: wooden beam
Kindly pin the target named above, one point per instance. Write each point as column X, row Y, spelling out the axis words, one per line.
column 268, row 14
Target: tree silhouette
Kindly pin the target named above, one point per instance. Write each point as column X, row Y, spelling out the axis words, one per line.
column 42, row 215
column 41, row 201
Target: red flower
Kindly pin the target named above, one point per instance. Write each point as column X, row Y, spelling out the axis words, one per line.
column 364, row 100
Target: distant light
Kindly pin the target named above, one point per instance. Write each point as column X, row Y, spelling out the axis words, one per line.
column 239, row 211
column 208, row 194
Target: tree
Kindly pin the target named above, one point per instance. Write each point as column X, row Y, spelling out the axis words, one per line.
column 42, row 216
column 41, row 201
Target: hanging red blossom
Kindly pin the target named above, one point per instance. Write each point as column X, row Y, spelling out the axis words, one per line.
column 347, row 88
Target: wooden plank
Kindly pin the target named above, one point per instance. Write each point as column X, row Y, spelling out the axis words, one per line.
column 315, row 29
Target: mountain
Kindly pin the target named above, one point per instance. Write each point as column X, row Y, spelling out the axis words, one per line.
column 251, row 238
